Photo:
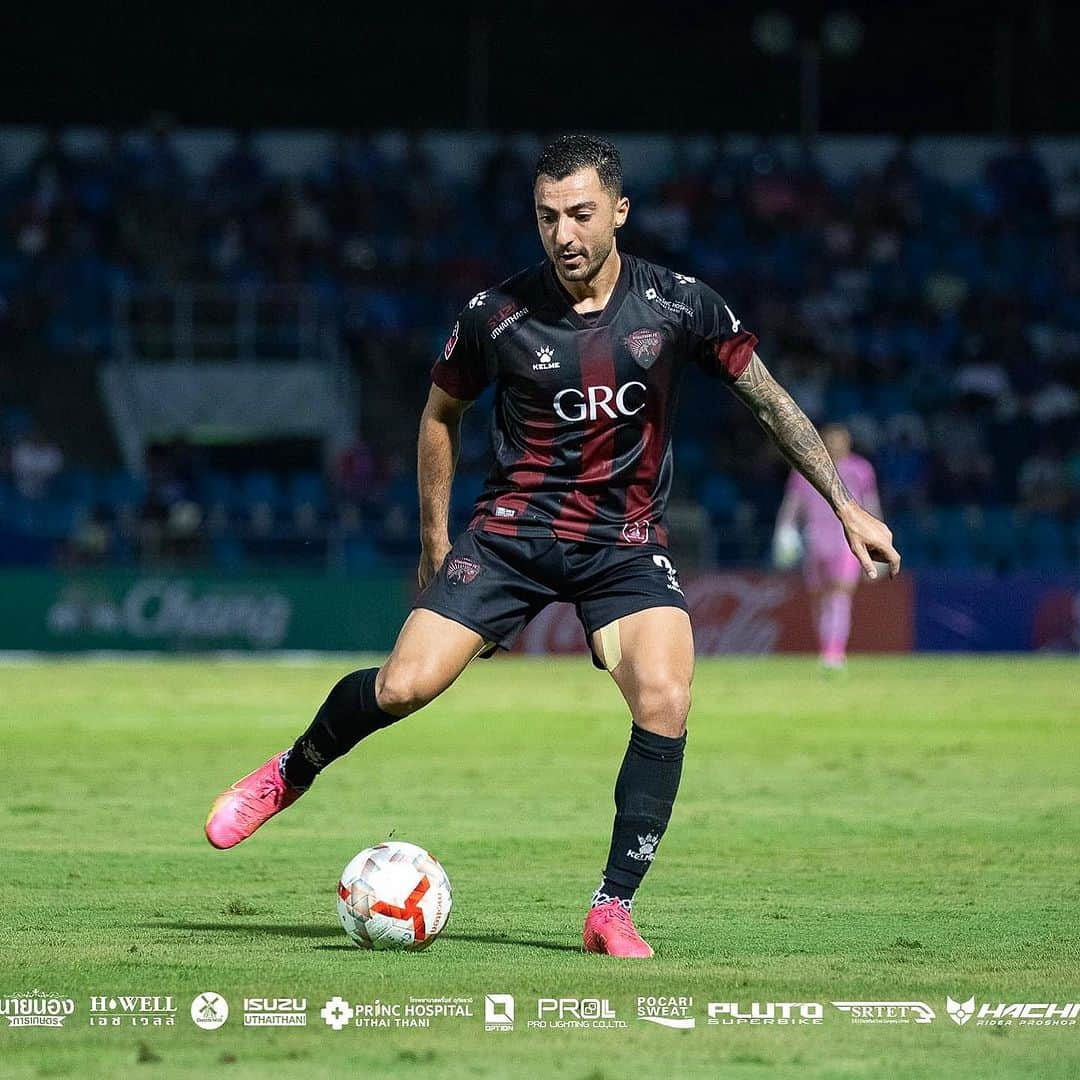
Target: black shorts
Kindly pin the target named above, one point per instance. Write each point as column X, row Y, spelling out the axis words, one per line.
column 496, row 584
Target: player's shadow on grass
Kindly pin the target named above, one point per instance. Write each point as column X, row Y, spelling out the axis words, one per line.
column 495, row 939
column 279, row 929
column 307, row 930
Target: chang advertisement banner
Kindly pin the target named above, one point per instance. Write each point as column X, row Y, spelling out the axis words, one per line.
column 170, row 612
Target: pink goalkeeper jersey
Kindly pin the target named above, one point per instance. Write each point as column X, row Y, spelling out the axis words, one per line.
column 823, row 533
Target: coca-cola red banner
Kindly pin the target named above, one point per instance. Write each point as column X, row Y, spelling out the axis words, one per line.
column 754, row 613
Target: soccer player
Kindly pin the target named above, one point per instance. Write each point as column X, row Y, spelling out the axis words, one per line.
column 586, row 350
column 830, row 569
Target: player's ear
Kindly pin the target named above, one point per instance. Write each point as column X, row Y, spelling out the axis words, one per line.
column 622, row 208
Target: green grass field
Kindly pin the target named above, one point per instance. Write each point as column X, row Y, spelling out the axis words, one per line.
column 905, row 833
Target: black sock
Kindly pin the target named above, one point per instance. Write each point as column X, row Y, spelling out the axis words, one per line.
column 644, row 795
column 350, row 713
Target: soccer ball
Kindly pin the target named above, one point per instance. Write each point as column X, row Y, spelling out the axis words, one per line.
column 394, row 896
column 787, row 547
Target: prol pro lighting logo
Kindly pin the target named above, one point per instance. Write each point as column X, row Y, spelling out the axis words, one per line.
column 553, row 1014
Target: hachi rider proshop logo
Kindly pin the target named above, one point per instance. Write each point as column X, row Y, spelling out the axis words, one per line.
column 36, row 1009
column 1006, row 1013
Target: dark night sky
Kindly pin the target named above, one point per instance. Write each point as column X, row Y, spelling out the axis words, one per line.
column 672, row 66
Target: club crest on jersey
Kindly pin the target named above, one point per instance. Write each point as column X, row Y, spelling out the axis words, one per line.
column 645, row 345
column 636, row 532
column 451, row 341
column 462, row 571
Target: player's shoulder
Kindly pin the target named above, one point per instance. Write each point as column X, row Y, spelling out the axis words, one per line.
column 522, row 286
column 675, row 292
column 510, row 299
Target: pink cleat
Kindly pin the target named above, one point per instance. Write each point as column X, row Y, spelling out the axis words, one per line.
column 249, row 803
column 609, row 929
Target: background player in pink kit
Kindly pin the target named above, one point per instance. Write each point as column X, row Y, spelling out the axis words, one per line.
column 830, row 569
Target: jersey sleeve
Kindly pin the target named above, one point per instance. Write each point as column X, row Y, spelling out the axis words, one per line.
column 462, row 368
column 721, row 346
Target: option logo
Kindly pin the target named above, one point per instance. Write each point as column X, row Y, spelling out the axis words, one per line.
column 498, row 1012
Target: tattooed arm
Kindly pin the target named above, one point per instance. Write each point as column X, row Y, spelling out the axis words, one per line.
column 798, row 440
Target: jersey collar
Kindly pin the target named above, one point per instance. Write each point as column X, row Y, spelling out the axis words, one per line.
column 566, row 302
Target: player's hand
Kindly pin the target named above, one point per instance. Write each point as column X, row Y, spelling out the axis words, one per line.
column 869, row 539
column 432, row 556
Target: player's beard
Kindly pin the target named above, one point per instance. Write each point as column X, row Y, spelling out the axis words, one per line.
column 589, row 265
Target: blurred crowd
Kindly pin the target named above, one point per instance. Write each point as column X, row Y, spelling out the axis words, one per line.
column 940, row 321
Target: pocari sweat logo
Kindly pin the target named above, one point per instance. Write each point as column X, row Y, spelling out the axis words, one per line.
column 667, row 1011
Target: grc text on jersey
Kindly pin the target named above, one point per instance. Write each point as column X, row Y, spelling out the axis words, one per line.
column 581, row 428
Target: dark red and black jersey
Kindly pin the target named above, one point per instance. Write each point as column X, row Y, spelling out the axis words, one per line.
column 581, row 428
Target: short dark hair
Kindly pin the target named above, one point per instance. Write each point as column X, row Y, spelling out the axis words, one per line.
column 569, row 153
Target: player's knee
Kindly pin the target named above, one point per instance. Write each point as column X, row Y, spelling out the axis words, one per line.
column 662, row 707
column 401, row 690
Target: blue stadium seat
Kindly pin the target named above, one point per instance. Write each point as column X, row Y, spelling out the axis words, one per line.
column 1046, row 542
column 361, row 554
column 843, row 400
column 958, row 531
column 79, row 485
column 999, row 542
column 122, row 491
column 219, row 489
column 227, row 552
column 719, row 496
column 262, row 487
column 307, row 489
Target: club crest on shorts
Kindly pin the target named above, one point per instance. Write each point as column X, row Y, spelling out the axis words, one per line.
column 636, row 532
column 462, row 570
column 645, row 345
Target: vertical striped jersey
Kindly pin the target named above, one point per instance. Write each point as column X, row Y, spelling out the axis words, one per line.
column 581, row 427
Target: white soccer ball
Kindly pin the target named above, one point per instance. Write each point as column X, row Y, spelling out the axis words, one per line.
column 787, row 547
column 394, row 896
